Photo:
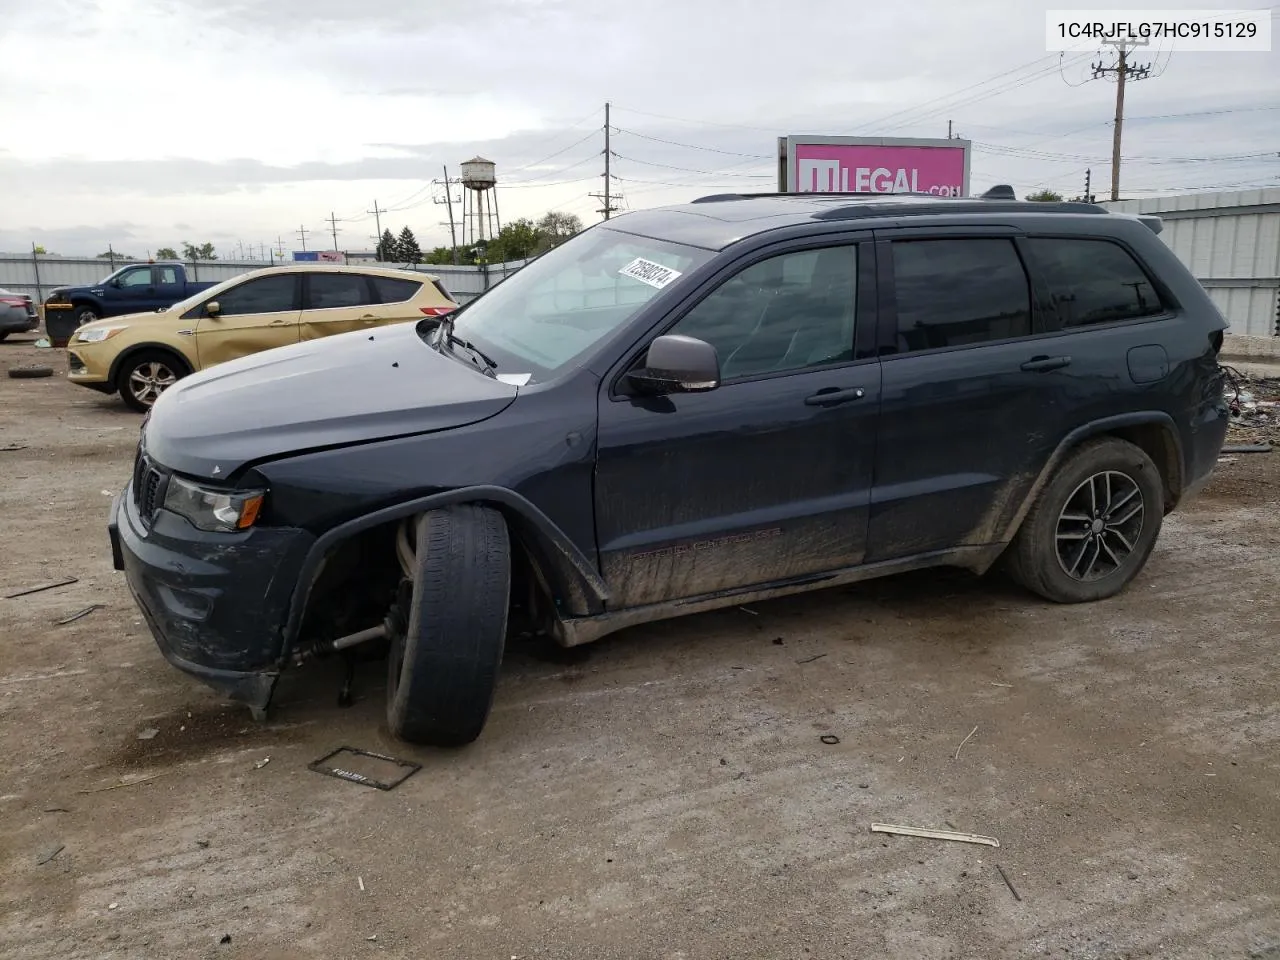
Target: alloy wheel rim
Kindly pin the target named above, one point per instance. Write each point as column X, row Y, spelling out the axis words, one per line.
column 1099, row 526
column 149, row 380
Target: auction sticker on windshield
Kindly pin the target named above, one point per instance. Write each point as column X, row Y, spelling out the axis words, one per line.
column 646, row 271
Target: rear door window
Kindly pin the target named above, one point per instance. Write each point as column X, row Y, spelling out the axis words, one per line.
column 1093, row 281
column 329, row 290
column 958, row 292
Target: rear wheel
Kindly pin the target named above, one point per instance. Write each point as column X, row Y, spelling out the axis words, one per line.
column 1093, row 526
column 443, row 664
column 85, row 315
column 146, row 375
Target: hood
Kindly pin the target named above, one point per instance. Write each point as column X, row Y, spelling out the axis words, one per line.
column 125, row 319
column 347, row 388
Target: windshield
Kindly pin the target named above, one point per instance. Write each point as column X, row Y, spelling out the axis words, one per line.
column 547, row 314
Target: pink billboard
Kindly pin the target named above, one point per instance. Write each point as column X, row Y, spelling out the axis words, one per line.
column 873, row 165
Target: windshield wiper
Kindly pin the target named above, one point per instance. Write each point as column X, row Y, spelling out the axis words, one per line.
column 446, row 335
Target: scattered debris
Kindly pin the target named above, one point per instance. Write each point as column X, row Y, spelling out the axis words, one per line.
column 372, row 939
column 1131, row 875
column 830, row 739
column 42, row 344
column 202, row 844
column 55, row 810
column 964, row 741
column 405, row 768
column 955, row 835
column 76, row 616
column 1009, row 685
column 226, row 938
column 49, row 854
column 360, row 880
column 148, row 734
column 811, row 659
column 112, row 906
column 1009, row 883
column 13, row 448
column 777, row 641
column 127, row 783
column 1247, row 448
column 44, row 676
column 44, row 586
column 749, row 610
column 262, row 763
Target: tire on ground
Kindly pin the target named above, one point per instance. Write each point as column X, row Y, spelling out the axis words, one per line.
column 1033, row 560
column 443, row 671
column 30, row 373
column 169, row 360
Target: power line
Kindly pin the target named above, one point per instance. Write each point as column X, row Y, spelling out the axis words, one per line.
column 709, row 173
column 692, row 146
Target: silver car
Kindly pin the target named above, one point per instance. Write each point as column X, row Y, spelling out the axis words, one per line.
column 17, row 313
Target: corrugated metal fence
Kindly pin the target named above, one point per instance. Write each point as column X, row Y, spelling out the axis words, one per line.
column 37, row 275
column 1231, row 243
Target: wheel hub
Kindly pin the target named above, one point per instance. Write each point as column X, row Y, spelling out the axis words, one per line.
column 1099, row 526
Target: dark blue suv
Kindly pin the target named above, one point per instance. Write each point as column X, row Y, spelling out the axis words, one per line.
column 677, row 410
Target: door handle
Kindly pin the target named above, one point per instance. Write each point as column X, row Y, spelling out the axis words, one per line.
column 1045, row 364
column 832, row 396
column 368, row 316
column 276, row 323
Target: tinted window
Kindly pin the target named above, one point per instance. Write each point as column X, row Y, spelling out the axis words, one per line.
column 136, row 278
column 168, row 275
column 956, row 292
column 337, row 290
column 785, row 313
column 1094, row 281
column 393, row 290
column 263, row 295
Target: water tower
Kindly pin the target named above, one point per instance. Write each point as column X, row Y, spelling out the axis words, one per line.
column 480, row 222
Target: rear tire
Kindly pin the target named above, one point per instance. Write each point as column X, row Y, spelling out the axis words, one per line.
column 443, row 669
column 144, row 376
column 85, row 315
column 1092, row 527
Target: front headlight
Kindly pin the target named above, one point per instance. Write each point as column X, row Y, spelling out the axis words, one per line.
column 219, row 511
column 97, row 335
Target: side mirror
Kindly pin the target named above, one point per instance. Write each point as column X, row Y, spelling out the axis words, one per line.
column 677, row 364
column 212, row 309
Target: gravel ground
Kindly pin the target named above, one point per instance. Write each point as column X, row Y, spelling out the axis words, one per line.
column 665, row 793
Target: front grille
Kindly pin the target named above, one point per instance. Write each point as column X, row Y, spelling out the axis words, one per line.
column 148, row 487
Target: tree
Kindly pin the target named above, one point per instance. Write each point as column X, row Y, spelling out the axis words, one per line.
column 407, row 249
column 516, row 241
column 555, row 228
column 110, row 255
column 39, row 251
column 1045, row 196
column 166, row 253
column 387, row 251
column 203, row 252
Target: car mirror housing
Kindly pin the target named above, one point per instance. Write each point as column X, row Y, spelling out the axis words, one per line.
column 677, row 364
column 212, row 308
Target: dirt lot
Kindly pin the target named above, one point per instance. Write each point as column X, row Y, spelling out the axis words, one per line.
column 667, row 794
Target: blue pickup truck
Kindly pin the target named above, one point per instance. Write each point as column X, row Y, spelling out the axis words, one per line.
column 137, row 288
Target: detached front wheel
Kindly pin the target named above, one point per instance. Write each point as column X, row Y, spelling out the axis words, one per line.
column 443, row 665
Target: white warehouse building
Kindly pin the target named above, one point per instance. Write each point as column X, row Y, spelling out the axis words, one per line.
column 1231, row 242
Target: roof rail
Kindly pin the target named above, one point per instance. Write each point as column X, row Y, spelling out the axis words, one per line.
column 814, row 194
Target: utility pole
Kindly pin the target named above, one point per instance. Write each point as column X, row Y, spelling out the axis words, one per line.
column 948, row 129
column 1088, row 186
column 1123, row 71
column 280, row 247
column 377, row 217
column 240, row 248
column 302, row 235
column 333, row 223
column 448, row 201
column 606, row 196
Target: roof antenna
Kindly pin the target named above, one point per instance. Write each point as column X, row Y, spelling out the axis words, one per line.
column 1001, row 191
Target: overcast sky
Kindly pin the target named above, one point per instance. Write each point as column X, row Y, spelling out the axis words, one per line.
column 144, row 123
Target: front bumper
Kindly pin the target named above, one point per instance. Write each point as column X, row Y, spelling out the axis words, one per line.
column 215, row 603
column 87, row 369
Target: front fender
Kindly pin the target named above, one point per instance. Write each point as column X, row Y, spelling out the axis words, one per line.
column 571, row 573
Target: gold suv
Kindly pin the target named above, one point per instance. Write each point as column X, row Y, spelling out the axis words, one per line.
column 141, row 354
